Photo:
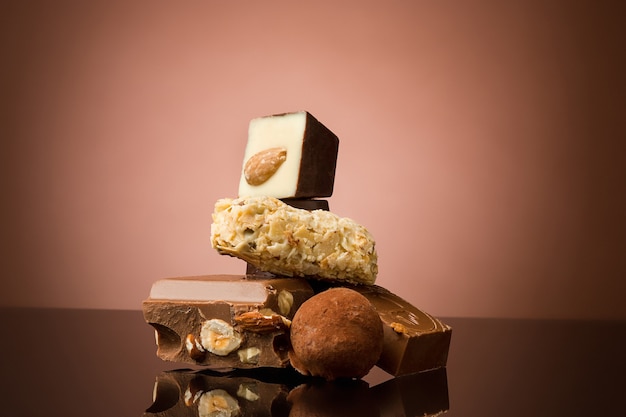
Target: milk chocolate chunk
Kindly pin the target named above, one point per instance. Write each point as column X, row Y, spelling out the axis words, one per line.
column 414, row 341
column 197, row 394
column 224, row 321
column 289, row 155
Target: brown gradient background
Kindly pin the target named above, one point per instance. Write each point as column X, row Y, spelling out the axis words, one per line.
column 482, row 143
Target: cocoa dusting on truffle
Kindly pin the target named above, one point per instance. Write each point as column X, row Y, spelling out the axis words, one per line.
column 336, row 334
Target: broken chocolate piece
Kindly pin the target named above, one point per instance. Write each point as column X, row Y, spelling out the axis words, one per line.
column 414, row 341
column 306, row 204
column 289, row 155
column 206, row 320
column 255, row 272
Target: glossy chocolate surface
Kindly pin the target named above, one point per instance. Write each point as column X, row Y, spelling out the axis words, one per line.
column 58, row 362
column 414, row 341
column 306, row 204
column 178, row 314
column 319, row 160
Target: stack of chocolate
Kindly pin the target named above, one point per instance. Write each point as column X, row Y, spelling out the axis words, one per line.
column 308, row 298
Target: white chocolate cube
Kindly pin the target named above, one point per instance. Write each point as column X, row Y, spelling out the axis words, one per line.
column 289, row 155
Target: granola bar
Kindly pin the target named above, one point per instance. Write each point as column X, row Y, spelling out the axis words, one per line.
column 286, row 241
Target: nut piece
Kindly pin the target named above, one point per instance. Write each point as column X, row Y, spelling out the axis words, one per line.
column 219, row 337
column 249, row 355
column 194, row 348
column 257, row 322
column 248, row 391
column 192, row 393
column 195, row 389
column 399, row 328
column 262, row 165
column 218, row 403
column 285, row 301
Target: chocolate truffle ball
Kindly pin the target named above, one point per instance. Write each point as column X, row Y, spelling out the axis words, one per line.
column 336, row 334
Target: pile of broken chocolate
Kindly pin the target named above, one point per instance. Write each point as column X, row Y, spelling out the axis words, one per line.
column 308, row 298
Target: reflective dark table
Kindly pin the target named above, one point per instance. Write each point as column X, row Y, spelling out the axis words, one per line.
column 102, row 363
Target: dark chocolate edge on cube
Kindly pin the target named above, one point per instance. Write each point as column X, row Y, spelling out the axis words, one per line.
column 327, row 145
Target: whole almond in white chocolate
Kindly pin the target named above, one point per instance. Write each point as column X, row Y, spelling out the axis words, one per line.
column 290, row 155
column 262, row 165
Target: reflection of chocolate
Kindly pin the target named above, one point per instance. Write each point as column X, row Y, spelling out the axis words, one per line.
column 419, row 394
column 197, row 394
column 245, row 326
column 345, row 398
column 283, row 392
column 414, row 340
